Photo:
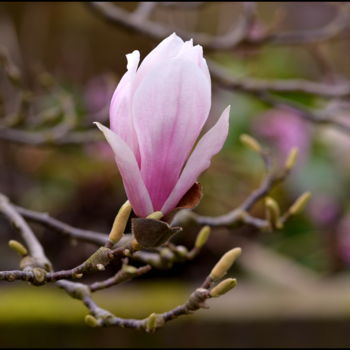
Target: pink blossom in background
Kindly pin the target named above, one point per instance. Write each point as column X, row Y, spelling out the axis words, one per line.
column 156, row 115
column 284, row 129
column 323, row 209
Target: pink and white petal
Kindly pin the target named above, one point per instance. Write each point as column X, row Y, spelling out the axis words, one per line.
column 134, row 186
column 194, row 54
column 170, row 108
column 204, row 66
column 210, row 144
column 119, row 112
column 164, row 51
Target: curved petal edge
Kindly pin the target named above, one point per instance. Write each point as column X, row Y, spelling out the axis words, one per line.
column 134, row 186
column 209, row 145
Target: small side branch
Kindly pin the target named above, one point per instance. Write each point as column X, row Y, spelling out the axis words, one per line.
column 252, row 85
column 35, row 248
column 49, row 222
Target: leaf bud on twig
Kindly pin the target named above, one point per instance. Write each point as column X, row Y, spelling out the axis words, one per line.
column 18, row 247
column 120, row 222
column 251, row 143
column 225, row 263
column 300, row 203
column 202, row 237
column 292, row 158
column 223, row 287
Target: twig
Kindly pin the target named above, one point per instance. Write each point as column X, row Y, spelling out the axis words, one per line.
column 61, row 227
column 247, row 84
column 240, row 214
column 101, row 318
column 121, row 17
column 121, row 276
column 339, row 23
column 144, row 10
column 34, row 246
column 117, row 15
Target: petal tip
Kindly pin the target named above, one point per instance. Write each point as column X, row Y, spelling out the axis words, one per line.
column 99, row 125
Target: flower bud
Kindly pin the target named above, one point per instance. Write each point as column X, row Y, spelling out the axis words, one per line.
column 292, row 158
column 202, row 237
column 151, row 322
column 129, row 269
column 223, row 287
column 225, row 263
column 39, row 275
column 91, row 321
column 182, row 251
column 18, row 247
column 250, row 142
column 300, row 203
column 169, row 93
column 120, row 222
column 100, row 267
column 273, row 212
column 166, row 254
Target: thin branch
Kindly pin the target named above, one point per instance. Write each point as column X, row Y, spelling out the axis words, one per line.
column 338, row 25
column 16, row 275
column 121, row 276
column 144, row 10
column 239, row 214
column 49, row 137
column 117, row 15
column 157, row 31
column 34, row 246
column 51, row 223
column 252, row 85
column 103, row 318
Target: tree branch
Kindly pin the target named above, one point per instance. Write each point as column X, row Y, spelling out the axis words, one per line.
column 34, row 246
column 252, row 85
column 51, row 223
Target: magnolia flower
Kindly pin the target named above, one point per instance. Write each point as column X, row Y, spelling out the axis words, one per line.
column 156, row 114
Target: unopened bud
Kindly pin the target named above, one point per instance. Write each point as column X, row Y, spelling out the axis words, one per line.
column 166, row 254
column 120, row 222
column 250, row 142
column 223, row 287
column 273, row 211
column 129, row 269
column 91, row 321
column 18, row 247
column 225, row 263
column 39, row 274
column 202, row 237
column 100, row 267
column 152, row 322
column 157, row 215
column 126, row 252
column 182, row 250
column 292, row 158
column 300, row 203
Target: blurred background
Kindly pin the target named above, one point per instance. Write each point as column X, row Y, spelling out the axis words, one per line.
column 294, row 283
